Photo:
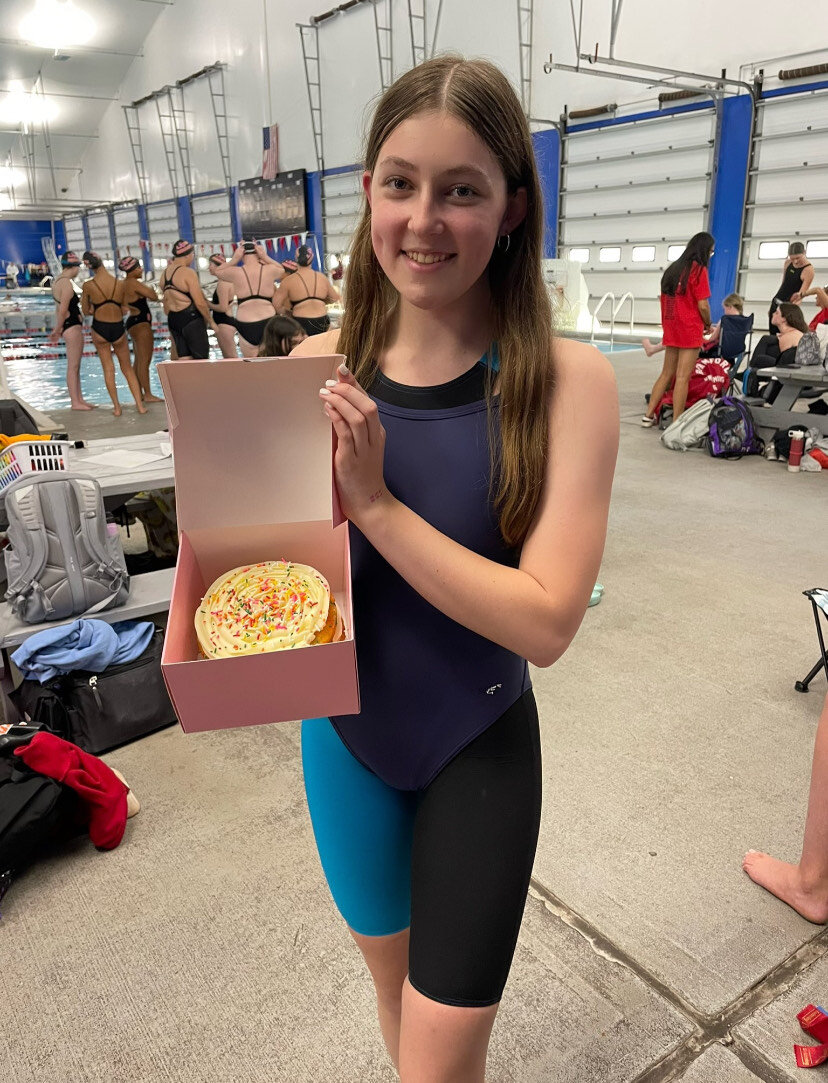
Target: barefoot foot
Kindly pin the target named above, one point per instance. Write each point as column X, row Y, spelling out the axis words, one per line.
column 117, row 410
column 786, row 883
column 133, row 804
column 141, row 409
column 81, row 406
column 152, row 398
column 649, row 348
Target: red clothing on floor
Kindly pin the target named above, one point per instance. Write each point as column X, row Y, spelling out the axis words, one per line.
column 680, row 316
column 103, row 793
column 821, row 317
column 709, row 378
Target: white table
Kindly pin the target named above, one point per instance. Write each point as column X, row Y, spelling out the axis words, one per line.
column 781, row 413
column 118, row 485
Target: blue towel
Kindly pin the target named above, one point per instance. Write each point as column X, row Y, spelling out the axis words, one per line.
column 84, row 644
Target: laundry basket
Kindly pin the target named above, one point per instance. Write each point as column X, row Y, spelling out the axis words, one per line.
column 32, row 456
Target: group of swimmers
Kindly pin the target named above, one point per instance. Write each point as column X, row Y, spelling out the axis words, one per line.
column 250, row 279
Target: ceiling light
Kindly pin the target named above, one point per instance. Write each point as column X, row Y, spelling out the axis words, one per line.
column 17, row 106
column 56, row 24
column 10, row 177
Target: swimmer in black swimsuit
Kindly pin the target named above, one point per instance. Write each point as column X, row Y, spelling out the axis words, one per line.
column 69, row 327
column 252, row 302
column 220, row 307
column 797, row 276
column 187, row 313
column 306, row 307
column 139, row 322
column 108, row 335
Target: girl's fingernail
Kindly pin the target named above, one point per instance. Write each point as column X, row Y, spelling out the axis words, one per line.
column 324, row 391
column 331, row 383
column 343, row 368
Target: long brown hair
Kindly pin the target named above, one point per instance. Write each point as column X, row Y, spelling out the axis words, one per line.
column 479, row 95
column 792, row 315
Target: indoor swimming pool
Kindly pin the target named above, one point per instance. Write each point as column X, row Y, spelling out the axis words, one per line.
column 36, row 369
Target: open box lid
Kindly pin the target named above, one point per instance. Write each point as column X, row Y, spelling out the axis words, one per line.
column 251, row 443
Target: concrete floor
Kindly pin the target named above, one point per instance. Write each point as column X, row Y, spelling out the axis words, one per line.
column 673, row 741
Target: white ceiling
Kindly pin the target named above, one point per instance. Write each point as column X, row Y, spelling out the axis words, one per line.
column 80, row 87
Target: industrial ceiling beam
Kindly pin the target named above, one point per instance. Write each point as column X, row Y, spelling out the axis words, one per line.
column 72, row 49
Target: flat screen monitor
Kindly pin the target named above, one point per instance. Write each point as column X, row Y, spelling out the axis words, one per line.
column 273, row 208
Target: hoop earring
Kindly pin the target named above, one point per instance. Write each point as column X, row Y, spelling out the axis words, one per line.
column 504, row 248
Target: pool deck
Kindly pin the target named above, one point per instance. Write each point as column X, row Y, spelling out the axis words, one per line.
column 100, row 424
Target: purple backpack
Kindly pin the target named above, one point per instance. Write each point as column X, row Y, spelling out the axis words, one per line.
column 732, row 431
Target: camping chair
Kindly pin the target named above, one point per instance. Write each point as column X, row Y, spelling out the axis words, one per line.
column 818, row 598
column 735, row 340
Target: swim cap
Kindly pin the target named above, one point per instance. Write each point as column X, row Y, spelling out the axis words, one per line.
column 127, row 264
column 217, row 257
column 304, row 256
column 249, row 247
column 70, row 259
column 183, row 248
column 93, row 259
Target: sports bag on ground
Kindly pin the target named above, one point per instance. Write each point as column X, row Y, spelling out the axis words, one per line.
column 100, row 711
column 60, row 561
column 690, row 429
column 35, row 812
column 732, row 431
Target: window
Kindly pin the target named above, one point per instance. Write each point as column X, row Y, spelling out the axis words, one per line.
column 610, row 255
column 579, row 255
column 773, row 250
column 815, row 249
column 674, row 251
column 643, row 253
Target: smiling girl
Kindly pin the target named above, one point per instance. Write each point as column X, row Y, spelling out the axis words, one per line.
column 474, row 461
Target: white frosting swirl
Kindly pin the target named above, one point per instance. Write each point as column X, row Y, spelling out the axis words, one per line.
column 272, row 606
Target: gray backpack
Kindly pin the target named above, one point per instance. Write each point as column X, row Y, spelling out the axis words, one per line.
column 807, row 352
column 60, row 561
column 690, row 429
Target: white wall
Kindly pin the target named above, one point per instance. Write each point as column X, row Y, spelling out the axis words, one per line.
column 260, row 44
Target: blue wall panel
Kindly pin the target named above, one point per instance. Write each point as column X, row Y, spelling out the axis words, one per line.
column 20, row 241
column 315, row 222
column 548, row 156
column 728, row 197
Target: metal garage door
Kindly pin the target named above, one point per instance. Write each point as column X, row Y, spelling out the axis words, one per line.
column 632, row 196
column 341, row 203
column 212, row 223
column 162, row 219
column 100, row 237
column 127, row 230
column 787, row 195
column 75, row 237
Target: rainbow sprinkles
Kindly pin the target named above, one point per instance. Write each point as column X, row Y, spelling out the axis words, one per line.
column 272, row 606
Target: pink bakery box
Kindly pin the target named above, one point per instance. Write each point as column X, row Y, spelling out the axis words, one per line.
column 253, row 456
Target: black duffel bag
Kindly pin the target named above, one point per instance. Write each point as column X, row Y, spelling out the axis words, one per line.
column 36, row 813
column 100, row 711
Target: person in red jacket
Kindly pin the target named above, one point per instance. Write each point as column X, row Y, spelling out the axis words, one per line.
column 685, row 318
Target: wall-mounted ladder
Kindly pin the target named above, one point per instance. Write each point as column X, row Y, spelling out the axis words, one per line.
column 309, row 36
column 385, row 49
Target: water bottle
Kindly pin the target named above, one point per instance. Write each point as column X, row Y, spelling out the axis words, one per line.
column 797, row 447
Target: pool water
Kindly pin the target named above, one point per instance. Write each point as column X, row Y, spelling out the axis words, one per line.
column 36, row 370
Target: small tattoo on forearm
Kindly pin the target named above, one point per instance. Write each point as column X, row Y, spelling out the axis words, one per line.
column 375, row 496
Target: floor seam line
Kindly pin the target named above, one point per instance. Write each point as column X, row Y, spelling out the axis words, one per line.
column 708, row 1030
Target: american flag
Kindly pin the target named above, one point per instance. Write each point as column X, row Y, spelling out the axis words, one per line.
column 270, row 157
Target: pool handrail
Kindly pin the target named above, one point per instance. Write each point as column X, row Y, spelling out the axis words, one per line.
column 608, row 296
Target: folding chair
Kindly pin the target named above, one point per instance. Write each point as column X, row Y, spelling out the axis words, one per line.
column 735, row 341
column 818, row 597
